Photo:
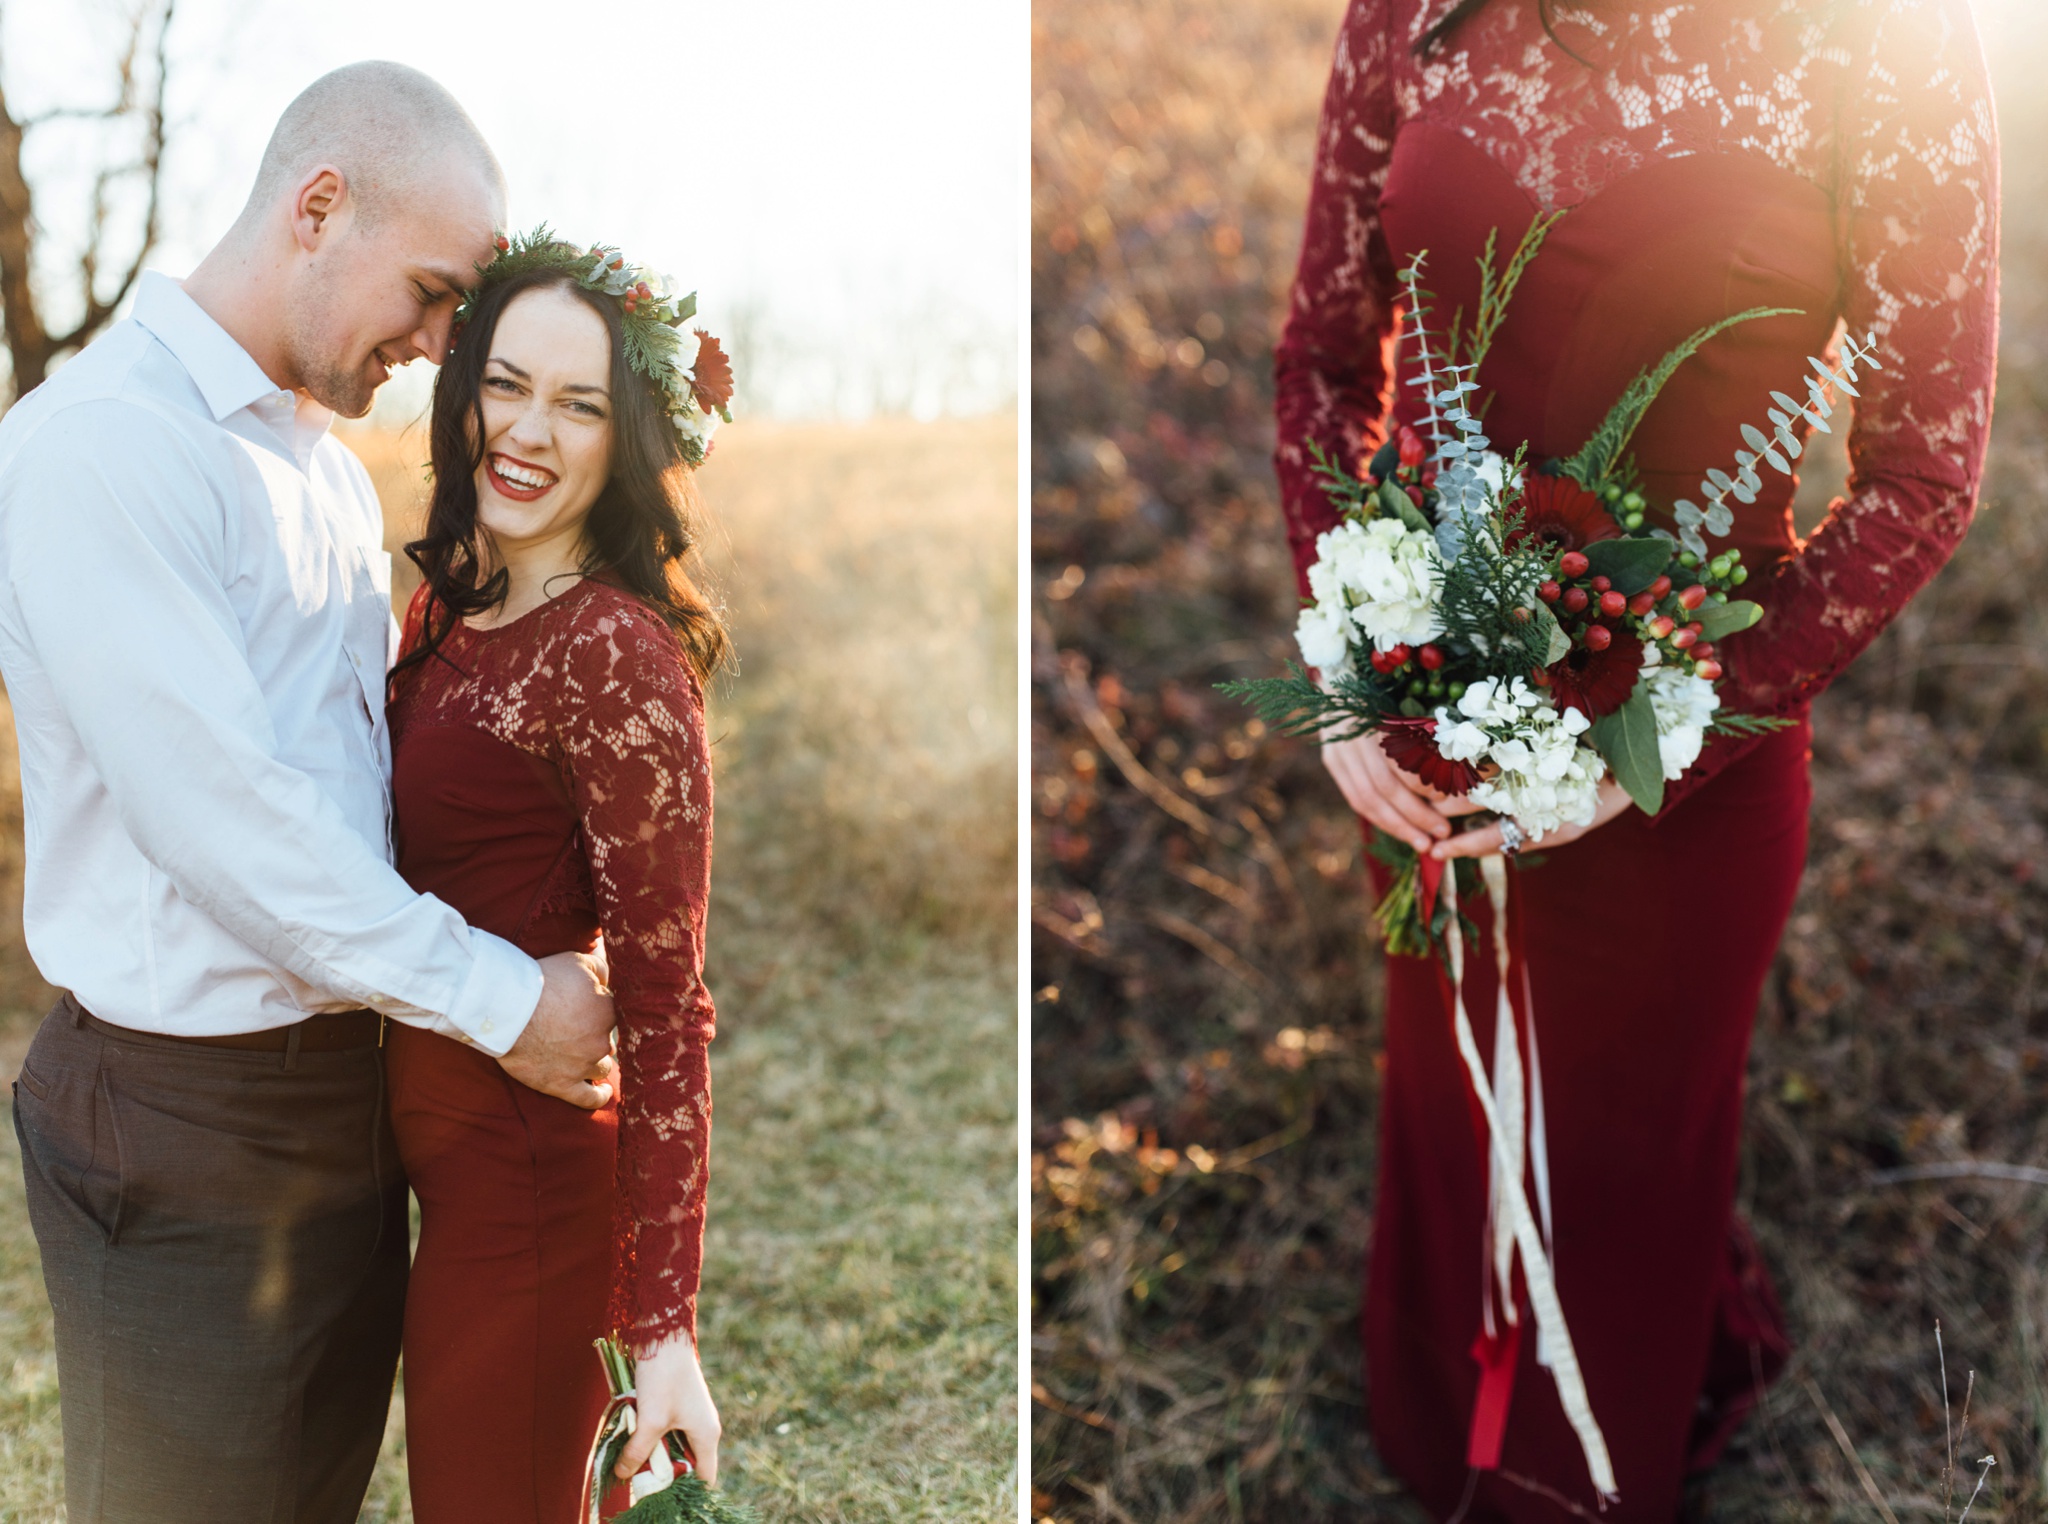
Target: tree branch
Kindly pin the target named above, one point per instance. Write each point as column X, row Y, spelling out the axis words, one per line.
column 150, row 166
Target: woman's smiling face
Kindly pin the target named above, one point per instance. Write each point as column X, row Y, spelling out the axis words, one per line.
column 547, row 420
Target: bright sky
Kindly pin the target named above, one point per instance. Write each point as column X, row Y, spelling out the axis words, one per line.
column 838, row 172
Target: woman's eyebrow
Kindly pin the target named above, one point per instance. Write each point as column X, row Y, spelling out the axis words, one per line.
column 578, row 387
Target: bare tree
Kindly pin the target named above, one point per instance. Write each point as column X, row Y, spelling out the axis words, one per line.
column 139, row 99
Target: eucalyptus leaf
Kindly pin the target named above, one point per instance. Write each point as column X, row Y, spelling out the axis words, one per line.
column 1717, row 621
column 1631, row 564
column 1627, row 741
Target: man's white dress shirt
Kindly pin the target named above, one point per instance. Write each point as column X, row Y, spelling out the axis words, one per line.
column 195, row 625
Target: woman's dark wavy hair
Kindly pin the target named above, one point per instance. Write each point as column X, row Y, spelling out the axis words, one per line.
column 642, row 529
column 1439, row 31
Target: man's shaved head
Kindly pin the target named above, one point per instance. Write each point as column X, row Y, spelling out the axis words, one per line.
column 377, row 202
column 385, row 127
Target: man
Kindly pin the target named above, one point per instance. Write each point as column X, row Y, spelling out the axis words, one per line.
column 194, row 629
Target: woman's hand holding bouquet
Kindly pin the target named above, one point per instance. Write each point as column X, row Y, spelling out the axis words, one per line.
column 1488, row 634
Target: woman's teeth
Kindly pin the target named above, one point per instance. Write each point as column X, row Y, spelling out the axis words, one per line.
column 519, row 476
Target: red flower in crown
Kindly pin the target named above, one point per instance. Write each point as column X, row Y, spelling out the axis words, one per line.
column 1557, row 510
column 1410, row 744
column 711, row 376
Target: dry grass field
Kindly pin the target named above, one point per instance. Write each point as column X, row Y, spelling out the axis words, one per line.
column 1206, row 1035
column 859, row 1284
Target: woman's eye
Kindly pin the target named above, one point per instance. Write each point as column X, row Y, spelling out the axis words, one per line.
column 501, row 383
column 587, row 409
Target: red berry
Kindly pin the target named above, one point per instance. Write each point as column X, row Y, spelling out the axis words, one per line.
column 1549, row 592
column 504, row 244
column 1612, row 604
column 1598, row 637
column 1694, row 596
column 1415, row 496
column 1641, row 604
column 1697, row 629
column 1704, row 651
column 1539, row 678
column 1660, row 626
column 1710, row 670
column 1430, row 657
column 1380, row 664
column 1429, row 477
column 1574, row 599
column 1573, row 564
column 1412, row 449
column 1660, row 587
column 1398, row 656
column 1685, row 637
column 1601, row 584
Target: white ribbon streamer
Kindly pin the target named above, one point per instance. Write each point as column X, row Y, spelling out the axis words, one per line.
column 1508, row 1200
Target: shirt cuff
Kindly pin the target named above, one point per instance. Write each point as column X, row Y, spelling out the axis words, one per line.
column 498, row 998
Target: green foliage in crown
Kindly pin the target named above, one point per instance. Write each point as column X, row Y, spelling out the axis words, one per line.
column 696, row 394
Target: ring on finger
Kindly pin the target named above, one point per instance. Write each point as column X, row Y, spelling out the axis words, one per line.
column 1511, row 837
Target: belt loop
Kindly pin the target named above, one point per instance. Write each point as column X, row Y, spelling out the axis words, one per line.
column 291, row 1047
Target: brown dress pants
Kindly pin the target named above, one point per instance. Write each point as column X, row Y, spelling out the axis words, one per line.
column 223, row 1238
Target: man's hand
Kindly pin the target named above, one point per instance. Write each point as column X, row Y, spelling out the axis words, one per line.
column 566, row 1049
column 1392, row 798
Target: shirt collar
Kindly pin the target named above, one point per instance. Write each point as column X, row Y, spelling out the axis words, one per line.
column 225, row 374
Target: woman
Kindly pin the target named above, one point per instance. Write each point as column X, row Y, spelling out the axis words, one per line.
column 1712, row 155
column 551, row 781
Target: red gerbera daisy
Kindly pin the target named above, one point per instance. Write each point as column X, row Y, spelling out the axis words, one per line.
column 1410, row 744
column 1598, row 682
column 1558, row 510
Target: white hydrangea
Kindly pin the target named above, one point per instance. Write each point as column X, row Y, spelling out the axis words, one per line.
column 1546, row 778
column 1684, row 706
column 1323, row 632
column 1382, row 576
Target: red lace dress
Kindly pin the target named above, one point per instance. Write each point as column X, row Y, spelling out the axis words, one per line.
column 552, row 783
column 1714, row 155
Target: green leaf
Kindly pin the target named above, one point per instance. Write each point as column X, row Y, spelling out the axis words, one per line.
column 1630, row 564
column 1595, row 461
column 1396, row 504
column 1726, row 724
column 1549, row 636
column 1627, row 739
column 1717, row 621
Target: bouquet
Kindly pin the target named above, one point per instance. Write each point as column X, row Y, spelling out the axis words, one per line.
column 1510, row 629
column 668, row 1491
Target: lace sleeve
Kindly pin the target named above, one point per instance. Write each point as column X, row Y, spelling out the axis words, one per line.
column 1332, row 367
column 632, row 737
column 1922, row 271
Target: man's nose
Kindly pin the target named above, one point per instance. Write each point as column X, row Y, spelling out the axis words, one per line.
column 433, row 339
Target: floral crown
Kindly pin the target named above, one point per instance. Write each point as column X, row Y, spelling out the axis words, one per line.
column 695, row 396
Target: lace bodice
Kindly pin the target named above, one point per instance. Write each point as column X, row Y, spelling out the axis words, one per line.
column 594, row 688
column 1880, row 104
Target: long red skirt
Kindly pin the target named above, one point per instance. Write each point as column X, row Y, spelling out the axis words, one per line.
column 1647, row 945
column 509, row 1284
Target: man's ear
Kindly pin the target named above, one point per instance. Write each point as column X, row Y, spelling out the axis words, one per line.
column 322, row 196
